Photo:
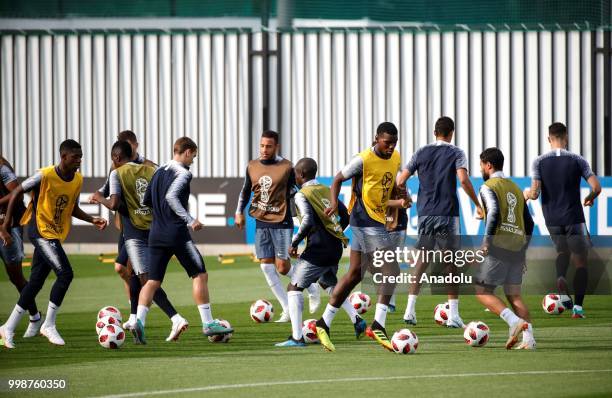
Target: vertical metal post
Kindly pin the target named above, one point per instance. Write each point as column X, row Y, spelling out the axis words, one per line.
column 607, row 103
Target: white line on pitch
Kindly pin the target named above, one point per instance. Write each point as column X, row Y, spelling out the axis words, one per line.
column 348, row 379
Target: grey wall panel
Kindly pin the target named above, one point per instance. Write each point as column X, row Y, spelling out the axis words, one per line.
column 328, row 92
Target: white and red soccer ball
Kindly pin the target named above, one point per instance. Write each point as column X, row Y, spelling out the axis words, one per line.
column 107, row 320
column 553, row 304
column 111, row 336
column 476, row 334
column 404, row 341
column 441, row 313
column 308, row 331
column 262, row 311
column 360, row 301
column 221, row 338
column 110, row 311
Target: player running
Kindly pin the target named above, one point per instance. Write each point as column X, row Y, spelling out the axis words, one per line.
column 438, row 166
column 373, row 173
column 122, row 264
column 127, row 185
column 55, row 201
column 557, row 175
column 325, row 241
column 508, row 229
column 271, row 179
column 168, row 195
column 12, row 255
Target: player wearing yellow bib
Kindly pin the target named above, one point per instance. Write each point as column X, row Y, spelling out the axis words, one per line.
column 128, row 183
column 55, row 200
column 319, row 260
column 373, row 172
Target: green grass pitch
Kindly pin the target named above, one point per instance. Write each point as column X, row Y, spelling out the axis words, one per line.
column 573, row 358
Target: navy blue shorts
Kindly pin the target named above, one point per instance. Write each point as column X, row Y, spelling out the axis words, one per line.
column 186, row 253
column 574, row 238
column 122, row 257
column 440, row 232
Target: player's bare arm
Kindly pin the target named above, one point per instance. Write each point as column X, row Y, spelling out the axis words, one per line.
column 595, row 190
column 533, row 193
column 111, row 203
column 335, row 192
column 99, row 222
column 15, row 195
column 466, row 184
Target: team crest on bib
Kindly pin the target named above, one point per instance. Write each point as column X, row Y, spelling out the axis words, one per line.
column 141, row 185
column 60, row 205
column 386, row 182
column 265, row 182
column 512, row 202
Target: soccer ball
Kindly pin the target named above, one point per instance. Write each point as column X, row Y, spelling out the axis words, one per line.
column 111, row 336
column 221, row 338
column 404, row 342
column 110, row 311
column 360, row 301
column 107, row 320
column 310, row 337
column 476, row 334
column 262, row 311
column 553, row 304
column 441, row 313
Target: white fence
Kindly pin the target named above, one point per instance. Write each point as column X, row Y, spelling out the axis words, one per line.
column 328, row 91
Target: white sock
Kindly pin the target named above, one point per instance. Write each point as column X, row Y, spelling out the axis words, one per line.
column 454, row 308
column 132, row 318
column 578, row 307
column 410, row 307
column 205, row 313
column 329, row 314
column 35, row 318
column 51, row 314
column 381, row 314
column 274, row 282
column 14, row 318
column 392, row 300
column 291, row 272
column 528, row 333
column 141, row 313
column 346, row 306
column 509, row 317
column 175, row 318
column 313, row 290
column 296, row 305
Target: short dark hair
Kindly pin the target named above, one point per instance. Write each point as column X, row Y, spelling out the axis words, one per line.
column 270, row 134
column 444, row 126
column 557, row 130
column 308, row 167
column 127, row 135
column 386, row 127
column 183, row 144
column 69, row 145
column 122, row 149
column 493, row 156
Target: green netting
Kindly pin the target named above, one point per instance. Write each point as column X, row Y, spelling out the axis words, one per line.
column 438, row 14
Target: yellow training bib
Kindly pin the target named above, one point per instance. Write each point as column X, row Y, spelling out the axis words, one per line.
column 54, row 204
column 378, row 182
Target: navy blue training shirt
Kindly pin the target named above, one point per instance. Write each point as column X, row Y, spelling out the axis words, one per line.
column 168, row 196
column 436, row 165
column 560, row 172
